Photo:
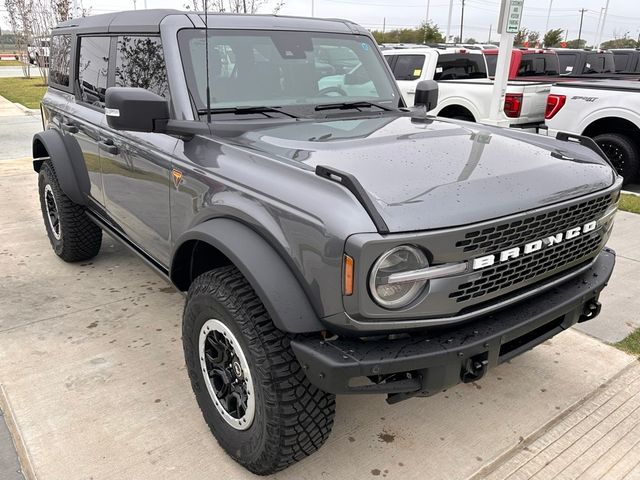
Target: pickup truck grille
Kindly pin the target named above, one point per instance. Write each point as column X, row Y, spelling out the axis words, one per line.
column 530, row 269
column 527, row 229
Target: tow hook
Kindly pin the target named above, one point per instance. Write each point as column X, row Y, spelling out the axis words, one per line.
column 474, row 368
column 591, row 310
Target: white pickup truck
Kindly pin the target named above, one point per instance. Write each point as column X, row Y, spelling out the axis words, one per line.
column 464, row 89
column 608, row 111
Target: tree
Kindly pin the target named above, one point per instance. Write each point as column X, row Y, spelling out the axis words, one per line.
column 430, row 33
column 471, row 41
column 520, row 37
column 230, row 6
column 576, row 43
column 533, row 38
column 620, row 41
column 553, row 38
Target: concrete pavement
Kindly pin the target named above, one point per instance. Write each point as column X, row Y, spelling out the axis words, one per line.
column 17, row 124
column 91, row 361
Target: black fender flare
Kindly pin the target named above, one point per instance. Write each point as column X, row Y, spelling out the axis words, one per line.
column 68, row 162
column 282, row 295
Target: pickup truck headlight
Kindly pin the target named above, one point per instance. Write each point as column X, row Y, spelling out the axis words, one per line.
column 397, row 260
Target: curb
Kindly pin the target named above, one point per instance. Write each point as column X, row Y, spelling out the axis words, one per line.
column 21, row 448
column 508, row 454
column 27, row 111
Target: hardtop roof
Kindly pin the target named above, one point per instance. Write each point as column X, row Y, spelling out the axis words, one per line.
column 149, row 21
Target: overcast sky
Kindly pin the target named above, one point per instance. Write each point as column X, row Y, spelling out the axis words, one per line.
column 479, row 15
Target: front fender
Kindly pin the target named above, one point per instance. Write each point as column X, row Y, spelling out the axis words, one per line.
column 68, row 162
column 268, row 274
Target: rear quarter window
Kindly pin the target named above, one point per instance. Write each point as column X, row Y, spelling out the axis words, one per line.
column 408, row 67
column 460, row 66
column 60, row 60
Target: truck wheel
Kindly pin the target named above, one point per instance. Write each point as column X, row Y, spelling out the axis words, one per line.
column 251, row 389
column 73, row 236
column 622, row 152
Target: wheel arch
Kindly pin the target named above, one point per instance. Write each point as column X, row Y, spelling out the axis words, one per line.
column 66, row 156
column 452, row 111
column 223, row 241
column 613, row 125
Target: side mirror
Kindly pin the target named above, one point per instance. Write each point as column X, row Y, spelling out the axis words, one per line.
column 426, row 94
column 135, row 109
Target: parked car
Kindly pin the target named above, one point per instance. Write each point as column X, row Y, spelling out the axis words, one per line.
column 576, row 61
column 327, row 242
column 627, row 60
column 465, row 90
column 38, row 52
column 526, row 63
column 607, row 111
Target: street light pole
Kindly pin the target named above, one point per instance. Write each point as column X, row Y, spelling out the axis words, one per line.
column 461, row 22
column 604, row 19
column 449, row 21
column 546, row 27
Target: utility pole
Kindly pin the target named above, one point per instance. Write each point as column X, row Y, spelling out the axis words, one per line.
column 580, row 29
column 384, row 25
column 604, row 19
column 461, row 21
column 595, row 41
column 428, row 7
column 313, row 8
column 546, row 27
column 449, row 21
column 490, row 27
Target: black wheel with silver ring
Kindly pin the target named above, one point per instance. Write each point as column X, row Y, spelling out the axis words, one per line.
column 226, row 374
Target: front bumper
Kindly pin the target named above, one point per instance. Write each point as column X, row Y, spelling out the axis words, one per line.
column 437, row 359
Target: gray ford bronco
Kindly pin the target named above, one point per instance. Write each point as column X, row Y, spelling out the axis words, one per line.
column 329, row 239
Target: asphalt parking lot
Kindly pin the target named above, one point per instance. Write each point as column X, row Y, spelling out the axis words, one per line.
column 91, row 367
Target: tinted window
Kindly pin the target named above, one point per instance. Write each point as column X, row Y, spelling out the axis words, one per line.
column 567, row 62
column 60, row 60
column 408, row 67
column 538, row 65
column 599, row 63
column 460, row 66
column 492, row 61
column 92, row 69
column 140, row 63
column 622, row 61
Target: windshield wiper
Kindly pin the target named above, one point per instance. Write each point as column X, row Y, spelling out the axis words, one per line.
column 248, row 111
column 350, row 106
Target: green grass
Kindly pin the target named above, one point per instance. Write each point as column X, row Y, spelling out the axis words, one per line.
column 26, row 91
column 11, row 63
column 629, row 203
column 631, row 344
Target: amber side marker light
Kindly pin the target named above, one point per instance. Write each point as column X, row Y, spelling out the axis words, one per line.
column 347, row 280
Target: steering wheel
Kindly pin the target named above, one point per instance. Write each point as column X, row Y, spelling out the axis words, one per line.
column 326, row 91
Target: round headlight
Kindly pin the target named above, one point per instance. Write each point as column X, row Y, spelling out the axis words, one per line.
column 400, row 259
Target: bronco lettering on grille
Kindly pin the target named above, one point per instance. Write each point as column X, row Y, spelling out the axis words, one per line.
column 531, row 247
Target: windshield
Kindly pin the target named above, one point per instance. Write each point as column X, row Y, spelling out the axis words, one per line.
column 251, row 68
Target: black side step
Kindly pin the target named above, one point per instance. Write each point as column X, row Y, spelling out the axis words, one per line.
column 351, row 183
column 585, row 142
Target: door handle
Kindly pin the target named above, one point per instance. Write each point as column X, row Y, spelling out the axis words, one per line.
column 108, row 146
column 69, row 128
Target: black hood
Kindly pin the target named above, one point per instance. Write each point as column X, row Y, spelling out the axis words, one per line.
column 433, row 174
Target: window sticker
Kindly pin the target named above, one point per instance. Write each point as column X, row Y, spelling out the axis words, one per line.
column 417, row 72
column 364, row 46
column 569, row 68
column 438, row 69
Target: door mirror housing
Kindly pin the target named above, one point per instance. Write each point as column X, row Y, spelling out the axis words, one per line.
column 135, row 110
column 426, row 94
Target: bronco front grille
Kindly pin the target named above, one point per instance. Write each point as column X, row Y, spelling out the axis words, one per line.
column 531, row 267
column 533, row 227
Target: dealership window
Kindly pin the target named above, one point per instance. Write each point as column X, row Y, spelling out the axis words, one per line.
column 60, row 60
column 140, row 63
column 93, row 66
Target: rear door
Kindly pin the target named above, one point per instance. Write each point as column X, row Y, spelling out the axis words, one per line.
column 408, row 69
column 86, row 112
column 137, row 166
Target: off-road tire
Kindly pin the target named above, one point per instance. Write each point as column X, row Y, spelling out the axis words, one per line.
column 626, row 158
column 292, row 418
column 79, row 238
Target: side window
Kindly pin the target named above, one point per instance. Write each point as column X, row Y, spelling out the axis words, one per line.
column 140, row 63
column 460, row 66
column 60, row 60
column 408, row 67
column 93, row 65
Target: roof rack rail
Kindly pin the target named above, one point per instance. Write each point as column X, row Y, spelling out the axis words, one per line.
column 351, row 183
